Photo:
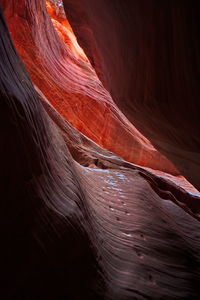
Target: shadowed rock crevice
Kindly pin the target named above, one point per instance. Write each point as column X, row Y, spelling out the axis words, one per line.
column 71, row 85
column 112, row 230
column 149, row 61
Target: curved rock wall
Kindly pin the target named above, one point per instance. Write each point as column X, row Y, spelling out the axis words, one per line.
column 75, row 232
column 72, row 86
column 146, row 53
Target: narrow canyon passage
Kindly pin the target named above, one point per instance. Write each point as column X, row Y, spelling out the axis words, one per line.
column 90, row 209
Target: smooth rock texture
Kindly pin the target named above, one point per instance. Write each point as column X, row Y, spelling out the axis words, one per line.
column 77, row 221
column 146, row 53
column 71, row 85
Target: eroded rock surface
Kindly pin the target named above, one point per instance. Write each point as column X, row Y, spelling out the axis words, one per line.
column 147, row 55
column 71, row 85
column 78, row 222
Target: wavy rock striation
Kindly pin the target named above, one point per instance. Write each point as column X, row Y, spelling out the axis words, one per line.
column 149, row 62
column 71, row 85
column 77, row 221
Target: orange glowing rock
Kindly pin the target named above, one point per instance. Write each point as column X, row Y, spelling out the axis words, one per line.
column 105, row 230
column 146, row 56
column 60, row 69
column 65, row 31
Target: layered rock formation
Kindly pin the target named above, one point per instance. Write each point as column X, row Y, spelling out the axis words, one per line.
column 71, row 85
column 77, row 221
column 149, row 61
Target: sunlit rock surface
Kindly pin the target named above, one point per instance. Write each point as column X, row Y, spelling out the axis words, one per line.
column 77, row 221
column 71, row 85
column 147, row 55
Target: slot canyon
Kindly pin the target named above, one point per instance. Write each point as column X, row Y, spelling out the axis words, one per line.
column 100, row 149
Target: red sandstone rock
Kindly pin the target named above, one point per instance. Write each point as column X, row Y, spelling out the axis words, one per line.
column 73, row 232
column 71, row 85
column 147, row 55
